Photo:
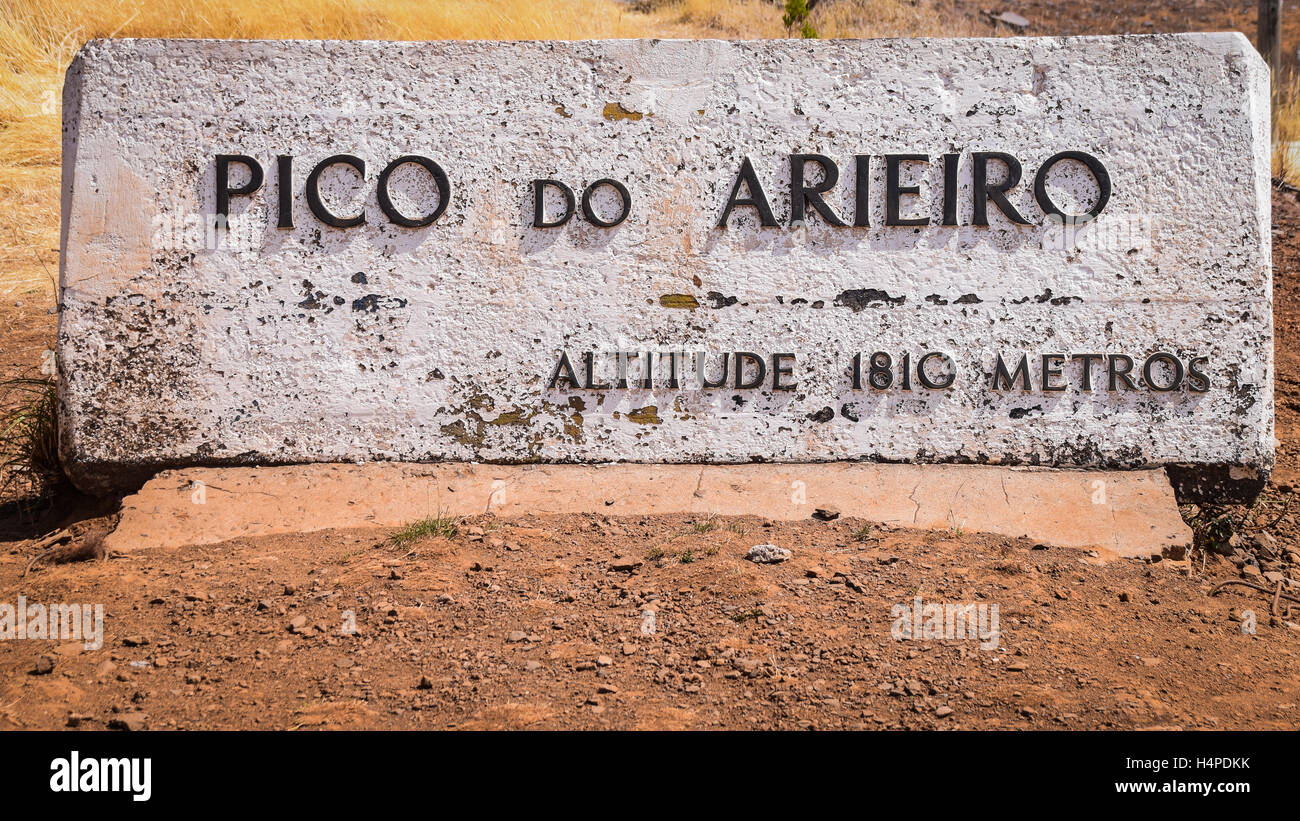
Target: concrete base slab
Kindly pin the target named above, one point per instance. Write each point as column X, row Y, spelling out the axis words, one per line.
column 1126, row 513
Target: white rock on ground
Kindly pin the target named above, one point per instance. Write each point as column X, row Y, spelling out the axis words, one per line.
column 768, row 554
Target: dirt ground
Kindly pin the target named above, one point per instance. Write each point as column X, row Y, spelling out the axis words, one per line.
column 1060, row 18
column 540, row 623
column 660, row 622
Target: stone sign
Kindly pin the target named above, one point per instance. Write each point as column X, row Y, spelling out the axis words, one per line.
column 1021, row 251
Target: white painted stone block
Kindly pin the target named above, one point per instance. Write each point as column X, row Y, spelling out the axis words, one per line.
column 378, row 341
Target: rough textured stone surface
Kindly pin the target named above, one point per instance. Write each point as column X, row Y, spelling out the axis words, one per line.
column 1125, row 513
column 768, row 554
column 382, row 342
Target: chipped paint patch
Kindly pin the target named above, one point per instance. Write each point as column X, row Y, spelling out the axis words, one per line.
column 679, row 301
column 649, row 415
column 615, row 112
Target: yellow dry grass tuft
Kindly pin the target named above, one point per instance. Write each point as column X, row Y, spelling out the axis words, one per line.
column 752, row 19
column 1286, row 131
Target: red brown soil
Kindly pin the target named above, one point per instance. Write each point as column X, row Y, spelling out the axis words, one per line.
column 1062, row 18
column 530, row 625
column 546, row 634
column 26, row 331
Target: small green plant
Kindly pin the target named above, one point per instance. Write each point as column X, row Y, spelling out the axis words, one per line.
column 445, row 526
column 654, row 553
column 30, row 466
column 746, row 615
column 863, row 533
column 686, row 557
column 796, row 14
column 738, row 528
column 1214, row 532
column 705, row 525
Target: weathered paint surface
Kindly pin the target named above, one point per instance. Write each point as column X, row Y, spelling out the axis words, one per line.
column 382, row 342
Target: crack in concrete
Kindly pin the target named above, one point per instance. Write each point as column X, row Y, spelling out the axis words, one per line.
column 952, row 518
column 190, row 487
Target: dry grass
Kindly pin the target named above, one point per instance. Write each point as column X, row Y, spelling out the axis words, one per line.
column 1286, row 131
column 442, row 526
column 30, row 467
column 752, row 19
